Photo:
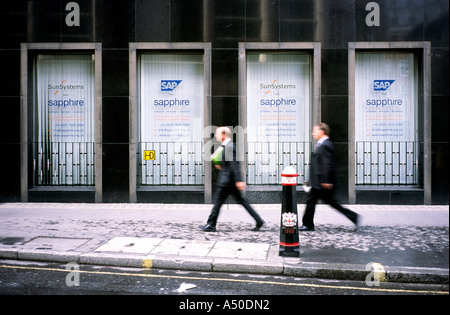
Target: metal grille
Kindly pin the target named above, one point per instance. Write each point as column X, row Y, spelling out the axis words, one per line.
column 266, row 161
column 64, row 163
column 387, row 163
column 174, row 163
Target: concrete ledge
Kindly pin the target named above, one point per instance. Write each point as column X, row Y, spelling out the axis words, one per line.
column 8, row 253
column 47, row 255
column 273, row 266
column 177, row 263
column 327, row 271
column 112, row 259
column 417, row 275
column 247, row 266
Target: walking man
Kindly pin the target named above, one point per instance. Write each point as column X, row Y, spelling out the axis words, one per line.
column 230, row 182
column 323, row 179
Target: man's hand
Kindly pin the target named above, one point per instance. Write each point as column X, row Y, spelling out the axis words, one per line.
column 240, row 186
column 326, row 186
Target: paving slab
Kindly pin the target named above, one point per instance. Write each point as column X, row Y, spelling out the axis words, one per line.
column 184, row 247
column 240, row 250
column 56, row 243
column 138, row 245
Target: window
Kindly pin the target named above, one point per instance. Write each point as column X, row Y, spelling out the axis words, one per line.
column 386, row 119
column 171, row 119
column 278, row 115
column 63, row 145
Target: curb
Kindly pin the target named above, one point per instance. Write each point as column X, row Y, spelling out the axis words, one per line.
column 302, row 269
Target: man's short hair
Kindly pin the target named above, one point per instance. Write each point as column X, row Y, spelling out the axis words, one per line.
column 325, row 128
column 224, row 130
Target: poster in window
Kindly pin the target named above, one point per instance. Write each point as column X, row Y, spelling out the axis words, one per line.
column 64, row 120
column 171, row 122
column 278, row 115
column 386, row 119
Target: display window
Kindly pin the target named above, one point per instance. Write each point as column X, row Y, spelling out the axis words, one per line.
column 171, row 119
column 278, row 115
column 63, row 146
column 386, row 119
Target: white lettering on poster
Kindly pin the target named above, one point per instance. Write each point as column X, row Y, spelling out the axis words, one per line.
column 171, row 98
column 66, row 111
column 386, row 110
column 278, row 97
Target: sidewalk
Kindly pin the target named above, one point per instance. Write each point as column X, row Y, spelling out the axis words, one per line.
column 410, row 242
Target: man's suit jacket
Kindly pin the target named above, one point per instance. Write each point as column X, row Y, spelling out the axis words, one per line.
column 230, row 172
column 323, row 166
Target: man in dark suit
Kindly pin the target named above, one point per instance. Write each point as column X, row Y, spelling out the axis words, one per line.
column 323, row 179
column 230, row 182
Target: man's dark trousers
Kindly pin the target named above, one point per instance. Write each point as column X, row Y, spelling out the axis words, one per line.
column 221, row 196
column 327, row 195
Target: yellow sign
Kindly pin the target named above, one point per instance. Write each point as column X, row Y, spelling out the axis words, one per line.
column 149, row 155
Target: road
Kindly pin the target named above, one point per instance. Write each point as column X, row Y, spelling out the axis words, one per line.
column 20, row 277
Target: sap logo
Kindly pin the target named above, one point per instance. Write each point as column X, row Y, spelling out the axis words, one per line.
column 382, row 85
column 169, row 85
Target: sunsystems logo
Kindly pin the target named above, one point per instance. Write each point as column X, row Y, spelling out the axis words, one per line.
column 169, row 85
column 382, row 85
column 63, row 86
column 275, row 85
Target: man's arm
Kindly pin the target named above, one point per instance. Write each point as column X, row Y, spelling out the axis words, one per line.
column 327, row 166
column 235, row 170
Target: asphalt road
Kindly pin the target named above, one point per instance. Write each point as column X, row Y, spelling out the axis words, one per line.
column 226, row 290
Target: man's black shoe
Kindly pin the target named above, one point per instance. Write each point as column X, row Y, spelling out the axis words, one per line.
column 207, row 228
column 304, row 228
column 258, row 226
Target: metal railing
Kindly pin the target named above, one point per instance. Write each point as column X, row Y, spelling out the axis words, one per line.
column 63, row 163
column 266, row 161
column 388, row 163
column 173, row 163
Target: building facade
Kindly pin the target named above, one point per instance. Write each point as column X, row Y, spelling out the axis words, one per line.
column 118, row 101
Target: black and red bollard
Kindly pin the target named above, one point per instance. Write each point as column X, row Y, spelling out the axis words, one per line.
column 289, row 242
